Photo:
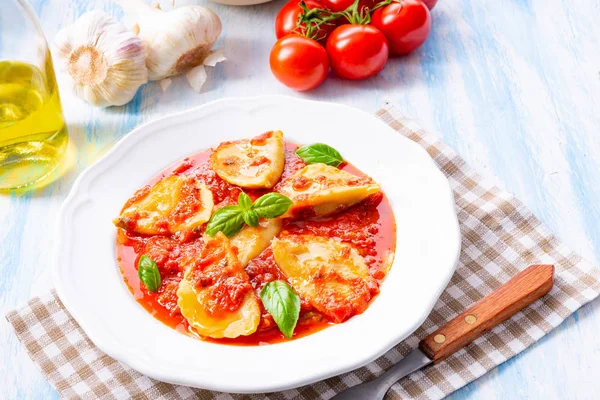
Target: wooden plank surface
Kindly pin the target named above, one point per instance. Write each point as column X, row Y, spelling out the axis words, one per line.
column 513, row 86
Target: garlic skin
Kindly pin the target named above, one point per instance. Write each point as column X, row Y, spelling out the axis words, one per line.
column 165, row 84
column 176, row 41
column 215, row 56
column 105, row 61
column 197, row 76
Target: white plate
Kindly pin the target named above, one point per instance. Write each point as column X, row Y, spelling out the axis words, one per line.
column 89, row 283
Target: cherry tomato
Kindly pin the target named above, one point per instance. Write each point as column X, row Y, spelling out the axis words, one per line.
column 406, row 25
column 298, row 62
column 430, row 3
column 285, row 23
column 368, row 3
column 357, row 51
column 337, row 5
column 341, row 5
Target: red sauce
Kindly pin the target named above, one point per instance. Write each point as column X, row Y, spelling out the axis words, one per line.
column 368, row 226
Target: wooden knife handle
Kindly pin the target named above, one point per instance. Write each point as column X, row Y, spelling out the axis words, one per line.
column 516, row 294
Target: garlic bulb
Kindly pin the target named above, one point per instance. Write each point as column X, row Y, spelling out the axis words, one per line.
column 176, row 41
column 106, row 62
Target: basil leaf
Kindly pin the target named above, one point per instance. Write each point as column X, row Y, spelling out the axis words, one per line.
column 283, row 304
column 320, row 153
column 227, row 220
column 148, row 273
column 250, row 217
column 271, row 205
column 231, row 219
column 244, row 201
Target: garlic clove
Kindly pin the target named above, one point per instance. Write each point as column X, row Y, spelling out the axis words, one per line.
column 214, row 57
column 176, row 40
column 106, row 62
column 196, row 77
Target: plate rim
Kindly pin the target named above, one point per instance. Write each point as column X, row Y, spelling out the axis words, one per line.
column 76, row 197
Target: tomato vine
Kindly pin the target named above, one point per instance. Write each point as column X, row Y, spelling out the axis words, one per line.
column 311, row 19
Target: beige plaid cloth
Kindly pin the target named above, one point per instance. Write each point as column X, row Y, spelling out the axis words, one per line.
column 500, row 237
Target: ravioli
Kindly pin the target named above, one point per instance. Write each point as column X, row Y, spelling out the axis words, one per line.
column 325, row 190
column 251, row 163
column 215, row 295
column 251, row 241
column 175, row 203
column 327, row 273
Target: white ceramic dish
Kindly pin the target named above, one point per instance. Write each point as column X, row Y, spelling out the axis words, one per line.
column 89, row 283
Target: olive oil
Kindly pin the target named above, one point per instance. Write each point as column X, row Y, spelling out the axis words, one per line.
column 33, row 136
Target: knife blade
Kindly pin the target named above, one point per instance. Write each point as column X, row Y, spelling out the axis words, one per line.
column 525, row 288
column 377, row 388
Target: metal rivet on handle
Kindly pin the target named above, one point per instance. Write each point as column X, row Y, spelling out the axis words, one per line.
column 439, row 338
column 470, row 319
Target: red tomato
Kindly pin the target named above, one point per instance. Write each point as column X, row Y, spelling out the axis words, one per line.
column 285, row 23
column 430, row 3
column 406, row 25
column 298, row 62
column 357, row 51
column 368, row 3
column 341, row 5
column 337, row 5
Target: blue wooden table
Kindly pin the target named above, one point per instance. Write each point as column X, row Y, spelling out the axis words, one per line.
column 513, row 86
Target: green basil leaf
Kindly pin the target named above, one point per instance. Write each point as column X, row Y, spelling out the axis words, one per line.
column 271, row 205
column 250, row 217
column 283, row 304
column 227, row 220
column 320, row 153
column 148, row 273
column 244, row 201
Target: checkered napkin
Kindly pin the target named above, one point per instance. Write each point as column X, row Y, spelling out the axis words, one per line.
column 500, row 237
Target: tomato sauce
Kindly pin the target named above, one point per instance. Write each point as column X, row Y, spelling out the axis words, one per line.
column 368, row 226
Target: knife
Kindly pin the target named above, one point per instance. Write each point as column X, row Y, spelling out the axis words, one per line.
column 516, row 294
